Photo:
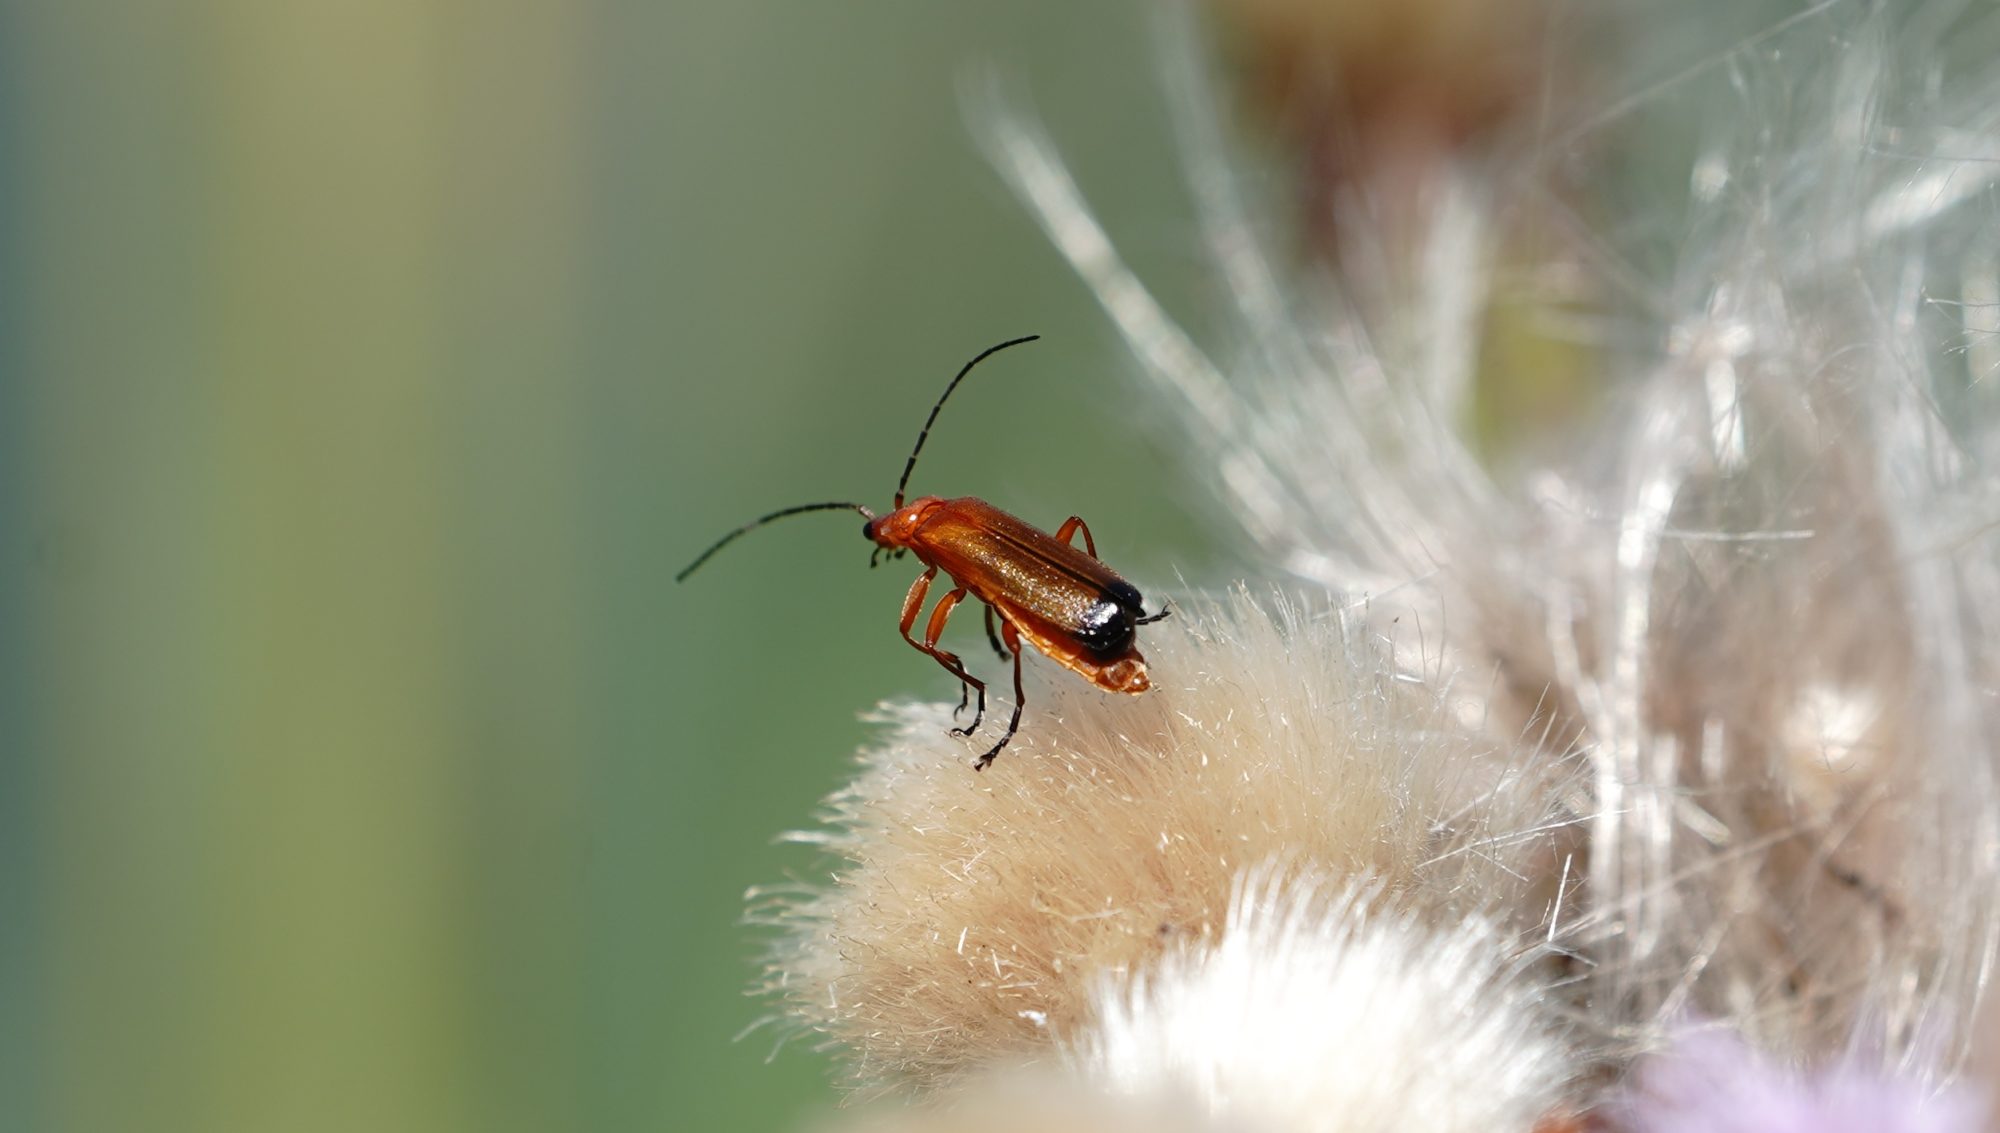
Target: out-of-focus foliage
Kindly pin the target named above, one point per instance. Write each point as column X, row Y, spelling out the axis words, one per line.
column 366, row 371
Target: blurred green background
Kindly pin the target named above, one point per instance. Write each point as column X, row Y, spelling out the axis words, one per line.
column 366, row 372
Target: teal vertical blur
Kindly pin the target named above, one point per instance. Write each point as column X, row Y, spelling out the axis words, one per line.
column 22, row 1008
column 366, row 371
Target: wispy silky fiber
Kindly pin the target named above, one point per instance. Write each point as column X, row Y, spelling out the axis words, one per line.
column 972, row 915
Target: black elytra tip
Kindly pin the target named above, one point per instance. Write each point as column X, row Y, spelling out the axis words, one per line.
column 1107, row 629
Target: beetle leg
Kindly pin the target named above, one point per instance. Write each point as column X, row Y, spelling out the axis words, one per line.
column 951, row 662
column 992, row 638
column 1068, row 530
column 1013, row 638
column 913, row 603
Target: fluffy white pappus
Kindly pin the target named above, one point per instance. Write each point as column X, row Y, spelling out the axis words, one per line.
column 972, row 914
column 1318, row 1013
column 1757, row 592
column 1313, row 1009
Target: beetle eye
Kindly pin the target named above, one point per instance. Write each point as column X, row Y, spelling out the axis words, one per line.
column 868, row 531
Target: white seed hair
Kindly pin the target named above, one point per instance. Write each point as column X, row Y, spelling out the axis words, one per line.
column 1322, row 1012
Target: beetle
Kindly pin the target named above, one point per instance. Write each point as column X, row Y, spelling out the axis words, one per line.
column 1039, row 588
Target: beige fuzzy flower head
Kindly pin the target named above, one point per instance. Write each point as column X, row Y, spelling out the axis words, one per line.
column 972, row 915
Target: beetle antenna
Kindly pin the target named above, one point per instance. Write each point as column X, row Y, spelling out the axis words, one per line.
column 911, row 465
column 761, row 521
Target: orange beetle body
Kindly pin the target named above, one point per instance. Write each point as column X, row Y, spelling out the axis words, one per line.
column 1069, row 606
column 1039, row 587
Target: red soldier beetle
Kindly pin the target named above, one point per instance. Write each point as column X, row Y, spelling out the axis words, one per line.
column 1039, row 587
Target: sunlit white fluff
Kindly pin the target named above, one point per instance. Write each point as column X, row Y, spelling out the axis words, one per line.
column 1324, row 1013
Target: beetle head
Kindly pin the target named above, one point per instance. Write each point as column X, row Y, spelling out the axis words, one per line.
column 898, row 529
